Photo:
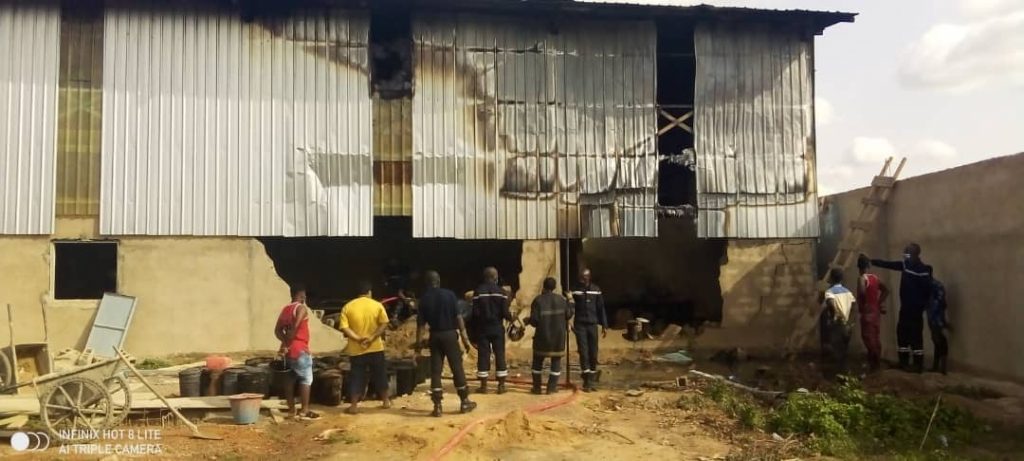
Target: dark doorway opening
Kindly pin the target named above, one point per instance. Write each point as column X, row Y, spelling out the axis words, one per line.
column 84, row 270
column 671, row 279
column 677, row 70
column 330, row 268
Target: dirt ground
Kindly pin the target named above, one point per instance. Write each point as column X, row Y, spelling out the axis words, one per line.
column 601, row 424
column 614, row 423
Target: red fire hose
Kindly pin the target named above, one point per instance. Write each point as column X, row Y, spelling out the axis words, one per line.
column 542, row 406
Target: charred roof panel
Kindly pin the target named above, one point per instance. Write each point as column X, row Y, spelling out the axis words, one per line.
column 529, row 130
column 753, row 134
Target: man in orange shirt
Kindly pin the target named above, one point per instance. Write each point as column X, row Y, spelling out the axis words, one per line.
column 363, row 320
column 292, row 329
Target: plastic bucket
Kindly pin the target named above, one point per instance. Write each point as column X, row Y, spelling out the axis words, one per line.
column 245, row 408
column 218, row 362
column 188, row 382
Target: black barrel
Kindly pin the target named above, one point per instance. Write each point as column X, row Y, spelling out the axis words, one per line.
column 209, row 382
column 258, row 361
column 188, row 382
column 229, row 380
column 405, row 377
column 204, row 382
column 278, row 371
column 254, row 380
column 328, row 387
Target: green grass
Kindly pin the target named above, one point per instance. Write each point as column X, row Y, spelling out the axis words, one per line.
column 152, row 364
column 848, row 422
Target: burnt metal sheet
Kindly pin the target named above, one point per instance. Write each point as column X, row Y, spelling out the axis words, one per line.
column 533, row 131
column 218, row 126
column 392, row 157
column 753, row 133
column 29, row 58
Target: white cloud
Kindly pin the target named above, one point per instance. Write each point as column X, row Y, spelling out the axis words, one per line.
column 933, row 150
column 824, row 113
column 966, row 56
column 867, row 150
column 978, row 8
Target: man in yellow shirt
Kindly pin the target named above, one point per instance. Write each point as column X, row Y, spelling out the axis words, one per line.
column 363, row 320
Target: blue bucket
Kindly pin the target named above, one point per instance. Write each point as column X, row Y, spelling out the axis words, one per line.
column 245, row 408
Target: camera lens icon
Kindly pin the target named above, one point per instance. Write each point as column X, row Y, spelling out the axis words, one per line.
column 30, row 441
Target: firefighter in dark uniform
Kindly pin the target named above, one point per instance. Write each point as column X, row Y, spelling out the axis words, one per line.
column 440, row 310
column 549, row 314
column 915, row 293
column 490, row 311
column 588, row 304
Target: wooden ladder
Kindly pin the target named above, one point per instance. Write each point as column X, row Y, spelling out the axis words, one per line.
column 878, row 195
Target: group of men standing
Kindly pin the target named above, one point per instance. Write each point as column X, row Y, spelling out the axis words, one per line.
column 550, row 315
column 921, row 297
column 365, row 320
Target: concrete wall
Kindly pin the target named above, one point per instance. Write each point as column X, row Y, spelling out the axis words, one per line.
column 767, row 288
column 194, row 294
column 969, row 222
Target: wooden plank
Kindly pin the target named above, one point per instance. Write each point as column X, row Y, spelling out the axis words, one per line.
column 19, row 404
column 883, row 181
column 872, row 201
column 14, row 422
column 200, row 403
column 862, row 225
column 29, row 405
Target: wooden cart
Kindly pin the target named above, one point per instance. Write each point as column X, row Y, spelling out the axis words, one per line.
column 76, row 405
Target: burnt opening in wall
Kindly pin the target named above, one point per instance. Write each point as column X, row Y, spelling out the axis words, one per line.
column 670, row 279
column 677, row 67
column 390, row 52
column 330, row 268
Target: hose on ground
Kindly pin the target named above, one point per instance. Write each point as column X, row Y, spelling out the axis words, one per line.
column 537, row 408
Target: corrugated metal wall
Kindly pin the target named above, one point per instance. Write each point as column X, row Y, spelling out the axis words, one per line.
column 518, row 126
column 392, row 157
column 753, row 134
column 215, row 126
column 80, row 113
column 29, row 46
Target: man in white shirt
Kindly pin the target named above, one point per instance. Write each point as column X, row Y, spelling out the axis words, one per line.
column 837, row 305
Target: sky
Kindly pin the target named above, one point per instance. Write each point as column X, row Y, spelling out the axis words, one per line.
column 938, row 82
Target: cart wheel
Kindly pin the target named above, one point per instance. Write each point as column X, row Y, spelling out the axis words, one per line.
column 75, row 409
column 120, row 399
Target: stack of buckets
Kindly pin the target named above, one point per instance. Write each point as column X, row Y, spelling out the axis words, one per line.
column 245, row 386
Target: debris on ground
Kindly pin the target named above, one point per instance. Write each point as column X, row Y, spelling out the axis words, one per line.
column 680, row 357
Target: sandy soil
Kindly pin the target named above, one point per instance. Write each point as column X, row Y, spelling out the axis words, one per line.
column 609, row 424
column 602, row 424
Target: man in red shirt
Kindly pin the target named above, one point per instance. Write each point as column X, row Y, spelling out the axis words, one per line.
column 292, row 330
column 871, row 294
